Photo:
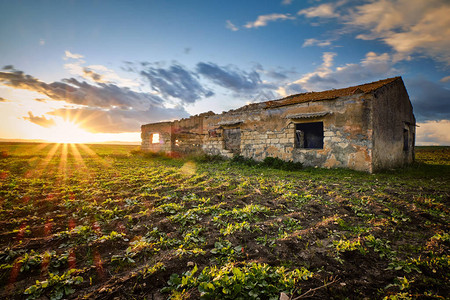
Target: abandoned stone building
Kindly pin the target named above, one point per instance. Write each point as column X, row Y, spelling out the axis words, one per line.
column 367, row 127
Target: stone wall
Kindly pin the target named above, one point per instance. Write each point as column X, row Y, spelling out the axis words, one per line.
column 362, row 131
column 394, row 124
column 187, row 134
column 271, row 132
column 183, row 136
column 164, row 130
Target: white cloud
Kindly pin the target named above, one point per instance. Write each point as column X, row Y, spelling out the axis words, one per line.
column 325, row 77
column 326, row 10
column 69, row 54
column 96, row 73
column 231, row 26
column 372, row 57
column 41, row 42
column 408, row 26
column 327, row 60
column 445, row 79
column 74, row 68
column 107, row 75
column 286, row 2
column 316, row 42
column 264, row 19
column 433, row 133
column 321, row 72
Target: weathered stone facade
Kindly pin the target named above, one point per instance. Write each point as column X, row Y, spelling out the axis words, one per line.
column 368, row 128
column 180, row 136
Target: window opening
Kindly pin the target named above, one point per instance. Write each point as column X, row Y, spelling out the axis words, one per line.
column 309, row 135
column 155, row 138
column 405, row 140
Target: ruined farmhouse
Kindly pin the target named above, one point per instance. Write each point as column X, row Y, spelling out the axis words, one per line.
column 367, row 127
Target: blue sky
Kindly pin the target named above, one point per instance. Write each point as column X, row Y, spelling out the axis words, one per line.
column 96, row 70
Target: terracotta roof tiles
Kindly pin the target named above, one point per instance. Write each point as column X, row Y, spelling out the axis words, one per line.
column 330, row 94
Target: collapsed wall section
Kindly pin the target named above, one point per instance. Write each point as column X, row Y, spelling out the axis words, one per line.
column 187, row 134
column 183, row 136
column 157, row 137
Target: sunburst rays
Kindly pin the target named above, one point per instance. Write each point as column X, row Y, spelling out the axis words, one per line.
column 65, row 160
column 62, row 168
column 79, row 161
column 42, row 165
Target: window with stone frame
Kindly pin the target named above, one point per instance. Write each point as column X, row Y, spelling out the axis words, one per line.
column 309, row 135
column 155, row 138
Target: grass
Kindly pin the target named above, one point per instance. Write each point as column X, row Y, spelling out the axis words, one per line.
column 107, row 221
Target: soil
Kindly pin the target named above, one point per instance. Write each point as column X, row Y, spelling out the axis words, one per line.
column 405, row 210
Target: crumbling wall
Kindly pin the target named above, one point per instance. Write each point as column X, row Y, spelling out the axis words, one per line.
column 364, row 131
column 183, row 136
column 187, row 135
column 394, row 127
column 163, row 143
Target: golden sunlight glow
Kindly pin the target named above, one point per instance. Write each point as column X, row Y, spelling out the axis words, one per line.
column 62, row 168
column 79, row 161
column 39, row 170
column 155, row 138
column 42, row 125
column 189, row 168
column 71, row 131
column 67, row 132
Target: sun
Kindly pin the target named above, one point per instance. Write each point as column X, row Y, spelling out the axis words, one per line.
column 67, row 132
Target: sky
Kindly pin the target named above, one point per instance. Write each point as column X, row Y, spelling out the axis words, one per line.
column 95, row 71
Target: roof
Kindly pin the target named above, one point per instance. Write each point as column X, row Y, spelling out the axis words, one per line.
column 307, row 115
column 330, row 94
column 233, row 122
column 301, row 98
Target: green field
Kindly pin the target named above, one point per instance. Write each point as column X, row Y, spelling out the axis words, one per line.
column 109, row 222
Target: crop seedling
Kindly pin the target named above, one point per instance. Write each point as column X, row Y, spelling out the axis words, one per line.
column 266, row 241
column 234, row 227
column 57, row 286
column 251, row 281
column 380, row 246
column 114, row 236
column 405, row 266
column 170, row 208
column 194, row 251
column 148, row 271
column 194, row 237
column 9, row 255
column 29, row 261
column 224, row 252
column 344, row 245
